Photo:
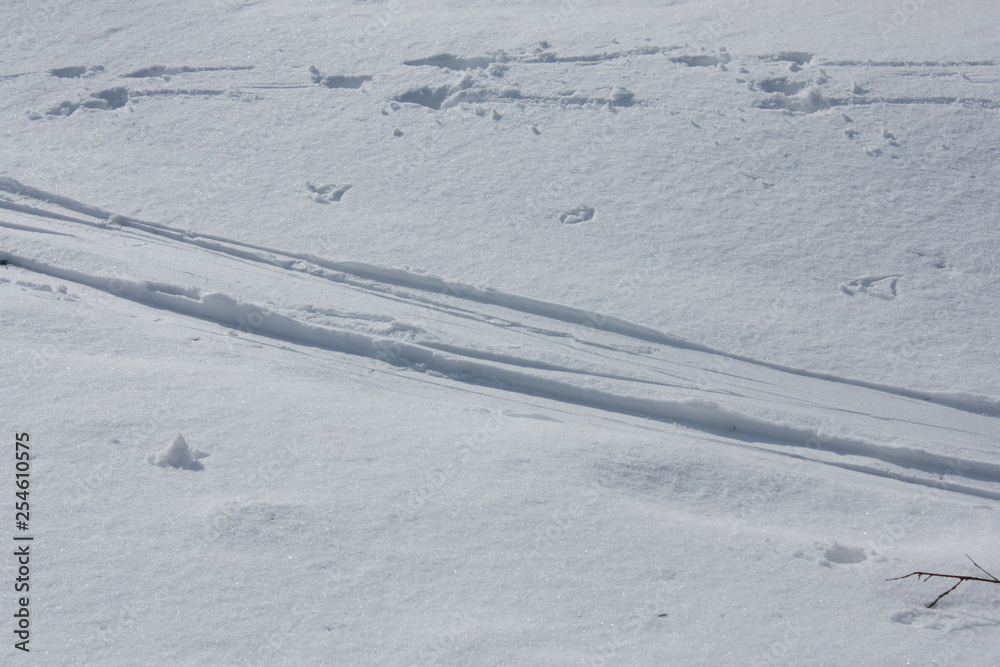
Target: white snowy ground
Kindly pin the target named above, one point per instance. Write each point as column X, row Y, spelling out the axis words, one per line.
column 515, row 333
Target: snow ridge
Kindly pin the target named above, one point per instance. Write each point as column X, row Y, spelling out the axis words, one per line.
column 707, row 415
column 601, row 372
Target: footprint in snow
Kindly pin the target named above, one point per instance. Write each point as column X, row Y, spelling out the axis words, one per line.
column 75, row 72
column 882, row 287
column 324, row 194
column 577, row 214
column 339, row 80
column 105, row 100
column 838, row 554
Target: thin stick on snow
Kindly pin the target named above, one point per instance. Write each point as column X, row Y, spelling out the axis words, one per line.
column 928, row 575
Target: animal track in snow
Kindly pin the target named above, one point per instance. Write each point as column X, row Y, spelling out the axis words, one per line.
column 453, row 62
column 795, row 57
column 780, row 84
column 543, row 54
column 937, row 620
column 432, row 98
column 116, row 98
column 338, row 80
column 702, row 60
column 113, row 98
column 38, row 287
column 888, row 142
column 841, row 555
column 166, row 92
column 325, row 194
column 479, row 90
column 933, row 258
column 577, row 214
column 882, row 287
column 105, row 100
column 864, row 83
column 911, row 63
column 75, row 72
column 479, row 84
column 468, row 89
column 806, row 101
column 165, row 71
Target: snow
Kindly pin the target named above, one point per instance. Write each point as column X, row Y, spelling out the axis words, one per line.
column 519, row 333
column 178, row 455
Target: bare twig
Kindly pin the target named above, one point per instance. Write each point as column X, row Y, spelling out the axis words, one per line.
column 927, row 576
column 981, row 569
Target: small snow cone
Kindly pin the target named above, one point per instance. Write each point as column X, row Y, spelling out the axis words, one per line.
column 178, row 455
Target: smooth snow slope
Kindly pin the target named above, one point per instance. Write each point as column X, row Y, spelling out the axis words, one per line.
column 514, row 333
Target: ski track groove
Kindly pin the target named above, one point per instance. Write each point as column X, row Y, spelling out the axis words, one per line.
column 482, row 367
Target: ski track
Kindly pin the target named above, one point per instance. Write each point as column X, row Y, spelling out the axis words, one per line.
column 581, row 358
column 431, row 284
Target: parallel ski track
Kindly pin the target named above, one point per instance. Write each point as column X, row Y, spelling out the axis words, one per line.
column 464, row 364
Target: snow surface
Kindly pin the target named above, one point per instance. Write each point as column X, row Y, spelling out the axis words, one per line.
column 519, row 333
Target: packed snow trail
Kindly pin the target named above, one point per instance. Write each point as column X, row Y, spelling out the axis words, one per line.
column 474, row 335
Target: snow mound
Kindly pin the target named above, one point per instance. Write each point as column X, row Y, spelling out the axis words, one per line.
column 178, row 455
